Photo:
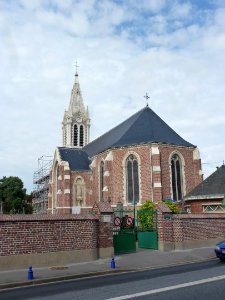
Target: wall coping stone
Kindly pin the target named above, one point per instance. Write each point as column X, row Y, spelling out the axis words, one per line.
column 163, row 208
column 103, row 207
column 45, row 217
column 200, row 216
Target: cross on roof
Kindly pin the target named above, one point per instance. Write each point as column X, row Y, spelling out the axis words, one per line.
column 146, row 97
column 76, row 65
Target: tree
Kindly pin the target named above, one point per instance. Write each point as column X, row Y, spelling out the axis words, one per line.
column 13, row 195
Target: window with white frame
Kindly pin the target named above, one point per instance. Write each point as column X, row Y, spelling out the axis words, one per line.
column 213, row 208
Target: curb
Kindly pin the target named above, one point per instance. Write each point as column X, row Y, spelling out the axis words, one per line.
column 33, row 282
column 18, row 284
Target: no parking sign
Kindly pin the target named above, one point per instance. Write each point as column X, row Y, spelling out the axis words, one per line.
column 129, row 221
column 117, row 221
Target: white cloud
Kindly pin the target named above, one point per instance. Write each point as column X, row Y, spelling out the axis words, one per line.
column 153, row 6
column 180, row 10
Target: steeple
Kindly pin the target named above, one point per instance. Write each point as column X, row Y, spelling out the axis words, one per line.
column 76, row 100
column 76, row 121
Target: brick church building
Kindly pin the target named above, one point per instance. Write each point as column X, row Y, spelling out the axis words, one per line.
column 140, row 159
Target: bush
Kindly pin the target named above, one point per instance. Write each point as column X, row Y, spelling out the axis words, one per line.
column 145, row 215
column 172, row 206
column 148, row 205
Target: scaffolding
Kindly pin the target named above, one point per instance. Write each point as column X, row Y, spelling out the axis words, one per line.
column 41, row 182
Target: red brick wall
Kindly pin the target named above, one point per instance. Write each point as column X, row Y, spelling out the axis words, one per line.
column 51, row 233
column 115, row 182
column 116, row 179
column 105, row 235
column 190, row 228
column 165, row 229
column 191, row 169
column 200, row 227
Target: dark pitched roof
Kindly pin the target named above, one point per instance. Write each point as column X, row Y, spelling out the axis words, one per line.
column 78, row 159
column 212, row 185
column 145, row 126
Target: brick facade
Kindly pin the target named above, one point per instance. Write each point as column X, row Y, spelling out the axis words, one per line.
column 154, row 176
column 197, row 206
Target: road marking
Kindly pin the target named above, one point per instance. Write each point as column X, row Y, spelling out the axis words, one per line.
column 169, row 288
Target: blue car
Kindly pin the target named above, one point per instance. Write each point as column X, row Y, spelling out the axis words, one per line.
column 220, row 250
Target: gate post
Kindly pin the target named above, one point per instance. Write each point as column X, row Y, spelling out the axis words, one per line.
column 104, row 213
column 119, row 205
column 165, row 228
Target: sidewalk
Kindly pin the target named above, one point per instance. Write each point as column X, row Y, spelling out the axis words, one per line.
column 142, row 259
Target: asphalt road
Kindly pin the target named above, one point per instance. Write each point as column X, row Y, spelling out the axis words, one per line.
column 192, row 281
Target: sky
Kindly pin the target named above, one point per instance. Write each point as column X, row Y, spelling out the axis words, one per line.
column 171, row 49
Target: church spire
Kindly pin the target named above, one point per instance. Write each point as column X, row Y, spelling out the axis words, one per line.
column 76, row 99
column 76, row 121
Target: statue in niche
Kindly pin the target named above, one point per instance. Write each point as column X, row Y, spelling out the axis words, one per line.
column 79, row 192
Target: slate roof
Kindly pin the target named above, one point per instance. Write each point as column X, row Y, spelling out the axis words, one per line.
column 78, row 159
column 212, row 185
column 145, row 126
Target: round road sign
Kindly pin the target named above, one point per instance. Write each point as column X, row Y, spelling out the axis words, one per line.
column 129, row 221
column 117, row 221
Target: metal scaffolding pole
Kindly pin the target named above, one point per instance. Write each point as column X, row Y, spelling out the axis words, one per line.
column 41, row 181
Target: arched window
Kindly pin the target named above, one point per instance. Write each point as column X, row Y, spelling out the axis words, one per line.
column 81, row 135
column 75, row 135
column 132, row 179
column 57, row 185
column 101, row 180
column 176, row 172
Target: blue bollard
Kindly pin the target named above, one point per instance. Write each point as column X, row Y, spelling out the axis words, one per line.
column 113, row 264
column 30, row 273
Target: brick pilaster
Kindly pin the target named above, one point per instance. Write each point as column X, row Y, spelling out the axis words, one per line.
column 156, row 174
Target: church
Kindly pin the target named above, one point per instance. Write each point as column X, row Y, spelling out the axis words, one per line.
column 138, row 160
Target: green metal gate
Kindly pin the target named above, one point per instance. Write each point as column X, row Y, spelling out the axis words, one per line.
column 128, row 229
column 124, row 234
column 147, row 234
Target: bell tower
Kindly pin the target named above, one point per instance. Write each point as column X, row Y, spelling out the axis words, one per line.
column 76, row 120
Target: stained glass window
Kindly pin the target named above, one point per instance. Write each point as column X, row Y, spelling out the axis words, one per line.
column 101, row 180
column 176, row 173
column 132, row 179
